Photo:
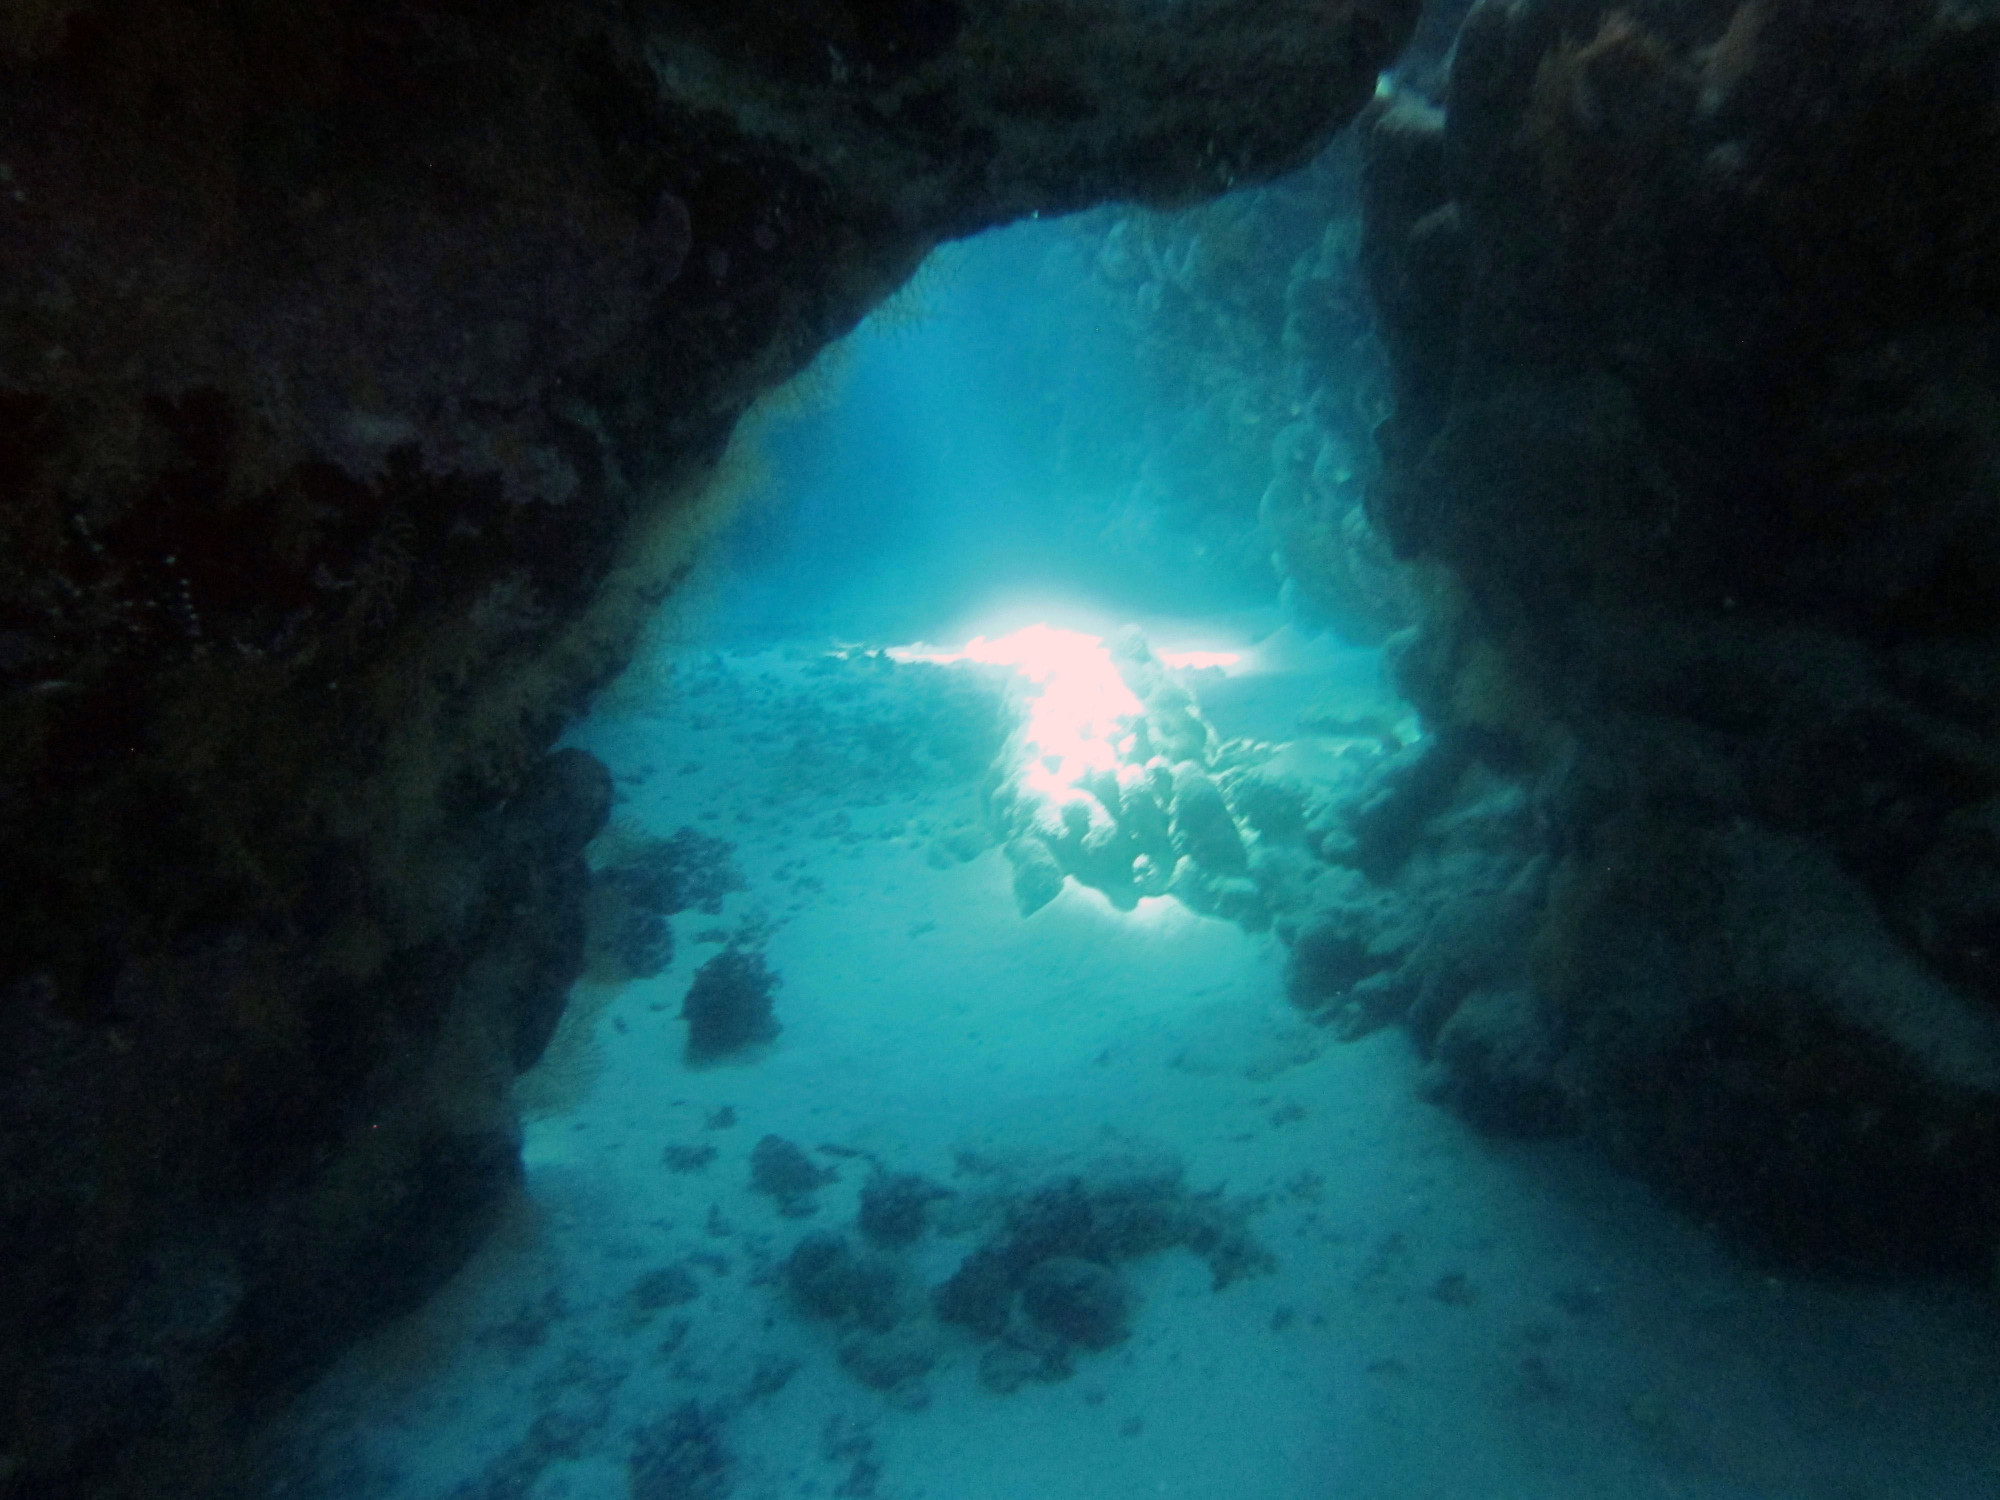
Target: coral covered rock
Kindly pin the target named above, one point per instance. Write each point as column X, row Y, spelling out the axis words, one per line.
column 780, row 1170
column 828, row 1280
column 728, row 1006
column 1078, row 1300
column 895, row 1206
column 1691, row 313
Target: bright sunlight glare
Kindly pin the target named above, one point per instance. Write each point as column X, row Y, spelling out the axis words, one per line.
column 1078, row 712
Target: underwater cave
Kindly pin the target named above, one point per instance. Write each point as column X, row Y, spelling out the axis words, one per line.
column 1000, row 748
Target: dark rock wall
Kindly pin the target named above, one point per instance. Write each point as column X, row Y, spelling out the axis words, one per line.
column 1694, row 317
column 363, row 371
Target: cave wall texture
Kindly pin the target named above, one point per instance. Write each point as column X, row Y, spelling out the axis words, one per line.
column 1250, row 456
column 364, row 372
column 1693, row 311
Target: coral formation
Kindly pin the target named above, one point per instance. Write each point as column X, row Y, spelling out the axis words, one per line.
column 682, row 1457
column 1140, row 818
column 1039, row 1287
column 890, row 1361
column 1167, row 808
column 1051, row 1259
column 895, row 1207
column 639, row 882
column 826, row 1279
column 728, row 1006
column 780, row 1170
column 1078, row 1301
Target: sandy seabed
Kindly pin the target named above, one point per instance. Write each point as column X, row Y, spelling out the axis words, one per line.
column 1444, row 1317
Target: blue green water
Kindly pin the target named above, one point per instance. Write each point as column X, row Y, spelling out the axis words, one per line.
column 1225, row 1254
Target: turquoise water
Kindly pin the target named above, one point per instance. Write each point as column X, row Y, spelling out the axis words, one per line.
column 1047, row 1192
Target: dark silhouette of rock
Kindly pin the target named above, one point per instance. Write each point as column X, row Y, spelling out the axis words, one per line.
column 895, row 1206
column 645, row 882
column 827, row 1279
column 1685, row 389
column 728, row 1006
column 1043, row 1281
column 892, row 1360
column 1012, row 1363
column 779, row 1169
column 1080, row 1300
column 682, row 1457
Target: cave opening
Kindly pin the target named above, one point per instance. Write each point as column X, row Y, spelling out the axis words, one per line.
column 1335, row 837
column 968, row 1092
